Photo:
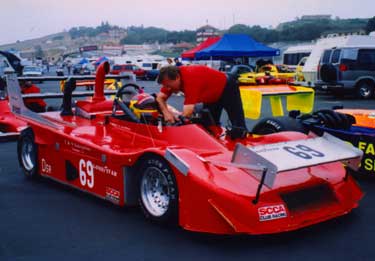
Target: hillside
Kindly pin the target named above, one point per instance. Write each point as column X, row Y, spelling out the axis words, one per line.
column 306, row 28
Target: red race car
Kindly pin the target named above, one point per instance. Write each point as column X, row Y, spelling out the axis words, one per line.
column 10, row 126
column 192, row 173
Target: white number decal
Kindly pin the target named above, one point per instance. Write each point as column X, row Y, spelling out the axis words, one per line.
column 86, row 173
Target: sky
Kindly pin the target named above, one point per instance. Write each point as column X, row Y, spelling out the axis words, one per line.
column 28, row 19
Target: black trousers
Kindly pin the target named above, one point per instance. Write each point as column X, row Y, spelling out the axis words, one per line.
column 231, row 102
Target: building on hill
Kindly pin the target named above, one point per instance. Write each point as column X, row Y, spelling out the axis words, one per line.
column 304, row 18
column 206, row 31
column 337, row 33
column 316, row 17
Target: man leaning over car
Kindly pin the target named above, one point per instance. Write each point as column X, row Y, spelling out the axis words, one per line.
column 201, row 84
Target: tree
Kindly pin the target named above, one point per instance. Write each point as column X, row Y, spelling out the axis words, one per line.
column 370, row 27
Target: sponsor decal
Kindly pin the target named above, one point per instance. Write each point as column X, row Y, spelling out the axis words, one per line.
column 368, row 160
column 46, row 168
column 87, row 171
column 105, row 170
column 112, row 195
column 272, row 212
column 76, row 147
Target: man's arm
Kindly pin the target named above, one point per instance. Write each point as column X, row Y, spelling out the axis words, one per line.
column 161, row 99
column 188, row 110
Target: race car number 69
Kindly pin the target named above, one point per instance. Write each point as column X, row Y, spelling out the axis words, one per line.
column 303, row 151
column 86, row 173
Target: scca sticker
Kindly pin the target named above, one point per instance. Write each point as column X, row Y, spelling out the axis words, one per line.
column 271, row 212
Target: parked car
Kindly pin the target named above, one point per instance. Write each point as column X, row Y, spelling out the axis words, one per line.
column 119, row 68
column 83, row 69
column 60, row 71
column 151, row 75
column 354, row 126
column 32, row 71
column 348, row 70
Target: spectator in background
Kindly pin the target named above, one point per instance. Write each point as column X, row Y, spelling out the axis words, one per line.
column 169, row 61
column 69, row 66
column 177, row 62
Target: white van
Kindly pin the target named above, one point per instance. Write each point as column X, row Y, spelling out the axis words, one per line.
column 293, row 55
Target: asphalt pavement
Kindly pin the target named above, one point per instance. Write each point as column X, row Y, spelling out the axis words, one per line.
column 43, row 220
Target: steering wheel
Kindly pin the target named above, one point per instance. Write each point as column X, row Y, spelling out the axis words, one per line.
column 128, row 91
column 123, row 97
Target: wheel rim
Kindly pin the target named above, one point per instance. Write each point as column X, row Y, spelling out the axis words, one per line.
column 155, row 192
column 28, row 157
column 365, row 91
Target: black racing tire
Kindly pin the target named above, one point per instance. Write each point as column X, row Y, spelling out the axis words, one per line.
column 328, row 73
column 334, row 120
column 158, row 191
column 365, row 90
column 330, row 118
column 274, row 125
column 27, row 151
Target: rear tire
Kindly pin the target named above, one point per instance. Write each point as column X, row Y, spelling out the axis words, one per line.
column 27, row 151
column 365, row 90
column 328, row 73
column 274, row 125
column 158, row 191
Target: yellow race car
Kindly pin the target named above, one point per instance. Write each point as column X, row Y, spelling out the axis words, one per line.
column 279, row 71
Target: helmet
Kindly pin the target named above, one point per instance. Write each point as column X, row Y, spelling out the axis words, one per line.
column 144, row 106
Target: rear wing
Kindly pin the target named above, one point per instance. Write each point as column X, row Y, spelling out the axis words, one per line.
column 274, row 158
column 297, row 98
column 17, row 106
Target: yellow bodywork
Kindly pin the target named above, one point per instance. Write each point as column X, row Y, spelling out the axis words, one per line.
column 279, row 71
column 297, row 98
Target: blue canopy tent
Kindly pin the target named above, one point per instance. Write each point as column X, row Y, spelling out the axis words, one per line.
column 236, row 45
column 101, row 60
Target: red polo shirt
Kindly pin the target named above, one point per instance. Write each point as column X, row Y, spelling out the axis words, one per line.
column 200, row 84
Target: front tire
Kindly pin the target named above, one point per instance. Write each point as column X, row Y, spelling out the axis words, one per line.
column 27, row 151
column 158, row 191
